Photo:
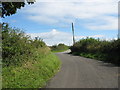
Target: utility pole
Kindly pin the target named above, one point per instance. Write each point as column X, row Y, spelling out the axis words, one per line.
column 73, row 34
column 118, row 20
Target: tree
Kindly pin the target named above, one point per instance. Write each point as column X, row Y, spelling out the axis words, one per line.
column 9, row 8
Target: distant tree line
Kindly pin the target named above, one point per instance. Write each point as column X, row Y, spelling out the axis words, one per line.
column 59, row 47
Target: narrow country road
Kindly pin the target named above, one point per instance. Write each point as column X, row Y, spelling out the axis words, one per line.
column 79, row 72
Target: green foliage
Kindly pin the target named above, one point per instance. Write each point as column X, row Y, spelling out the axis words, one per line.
column 18, row 47
column 9, row 8
column 31, row 74
column 86, row 45
column 58, row 48
column 113, row 52
column 27, row 63
column 96, row 49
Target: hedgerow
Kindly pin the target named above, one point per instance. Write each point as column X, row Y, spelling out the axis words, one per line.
column 26, row 62
column 98, row 49
column 17, row 47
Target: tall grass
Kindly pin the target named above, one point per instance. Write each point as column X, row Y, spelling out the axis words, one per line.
column 97, row 49
column 32, row 74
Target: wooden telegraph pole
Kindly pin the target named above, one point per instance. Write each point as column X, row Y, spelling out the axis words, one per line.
column 73, row 34
column 118, row 20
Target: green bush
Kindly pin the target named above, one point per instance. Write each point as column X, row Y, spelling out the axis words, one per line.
column 27, row 63
column 18, row 47
column 86, row 45
column 96, row 49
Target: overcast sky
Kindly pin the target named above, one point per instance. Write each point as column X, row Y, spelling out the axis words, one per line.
column 51, row 20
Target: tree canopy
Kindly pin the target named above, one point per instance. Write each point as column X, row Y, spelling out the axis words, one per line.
column 9, row 8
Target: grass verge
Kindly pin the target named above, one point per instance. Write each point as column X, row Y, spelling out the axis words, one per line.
column 31, row 74
column 98, row 56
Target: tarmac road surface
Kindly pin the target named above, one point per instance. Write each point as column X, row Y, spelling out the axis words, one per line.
column 79, row 72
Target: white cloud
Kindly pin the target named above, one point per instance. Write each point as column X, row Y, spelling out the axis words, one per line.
column 44, row 19
column 107, row 23
column 77, row 0
column 66, row 11
column 55, row 37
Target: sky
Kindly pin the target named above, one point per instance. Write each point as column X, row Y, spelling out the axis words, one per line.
column 52, row 20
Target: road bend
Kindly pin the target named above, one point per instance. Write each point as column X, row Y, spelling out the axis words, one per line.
column 80, row 72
